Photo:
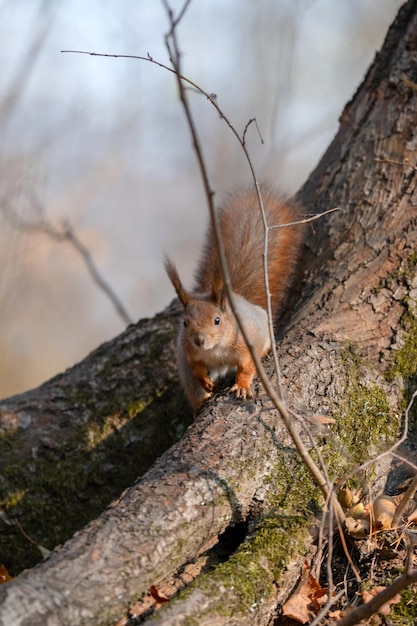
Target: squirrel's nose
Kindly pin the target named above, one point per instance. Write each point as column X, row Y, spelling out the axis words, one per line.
column 199, row 340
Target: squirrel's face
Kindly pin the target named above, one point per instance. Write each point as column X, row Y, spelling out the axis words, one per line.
column 204, row 325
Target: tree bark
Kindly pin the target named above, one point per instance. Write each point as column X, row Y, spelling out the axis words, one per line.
column 71, row 446
column 236, row 465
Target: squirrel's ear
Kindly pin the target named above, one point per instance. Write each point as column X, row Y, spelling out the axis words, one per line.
column 171, row 270
column 219, row 295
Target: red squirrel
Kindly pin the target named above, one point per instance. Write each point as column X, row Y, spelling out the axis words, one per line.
column 209, row 342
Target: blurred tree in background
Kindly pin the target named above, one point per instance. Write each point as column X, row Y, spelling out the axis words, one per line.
column 101, row 143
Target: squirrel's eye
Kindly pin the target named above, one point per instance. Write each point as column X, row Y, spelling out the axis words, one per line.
column 184, row 321
column 217, row 320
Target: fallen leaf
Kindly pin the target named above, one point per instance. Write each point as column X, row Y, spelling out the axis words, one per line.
column 322, row 419
column 412, row 518
column 357, row 528
column 385, row 608
column 337, row 614
column 345, row 497
column 351, row 499
column 158, row 595
column 383, row 510
column 307, row 598
column 357, row 511
column 4, row 575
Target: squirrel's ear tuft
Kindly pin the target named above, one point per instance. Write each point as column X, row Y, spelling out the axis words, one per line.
column 219, row 294
column 171, row 270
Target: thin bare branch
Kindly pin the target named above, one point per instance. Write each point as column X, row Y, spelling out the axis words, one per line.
column 178, row 19
column 307, row 220
column 324, row 611
column 390, row 451
column 401, row 508
column 321, row 481
column 365, row 611
column 70, row 236
column 66, row 233
column 24, row 71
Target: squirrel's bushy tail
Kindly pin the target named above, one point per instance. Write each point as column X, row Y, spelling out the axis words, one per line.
column 243, row 233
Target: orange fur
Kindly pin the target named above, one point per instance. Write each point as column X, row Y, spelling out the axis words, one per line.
column 243, row 233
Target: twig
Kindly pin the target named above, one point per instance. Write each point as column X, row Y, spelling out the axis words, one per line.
column 180, row 15
column 330, row 602
column 330, row 544
column 404, row 460
column 365, row 611
column 174, row 54
column 173, row 50
column 391, row 450
column 67, row 234
column 70, row 236
column 307, row 220
column 408, row 496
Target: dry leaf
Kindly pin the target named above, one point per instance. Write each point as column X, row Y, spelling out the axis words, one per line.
column 412, row 518
column 350, row 499
column 383, row 510
column 307, row 598
column 158, row 595
column 385, row 608
column 345, row 497
column 357, row 528
column 321, row 419
column 357, row 511
column 337, row 614
column 4, row 575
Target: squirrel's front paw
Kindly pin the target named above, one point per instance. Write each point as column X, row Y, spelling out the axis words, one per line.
column 242, row 392
column 207, row 384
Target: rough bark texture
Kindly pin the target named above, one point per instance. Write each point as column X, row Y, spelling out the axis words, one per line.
column 370, row 172
column 68, row 448
column 193, row 492
column 235, row 464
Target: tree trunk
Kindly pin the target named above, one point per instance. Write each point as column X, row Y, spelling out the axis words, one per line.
column 70, row 447
column 346, row 351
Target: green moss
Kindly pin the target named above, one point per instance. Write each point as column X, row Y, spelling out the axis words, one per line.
column 403, row 364
column 405, row 612
column 260, row 562
column 12, row 499
column 404, row 360
column 365, row 423
column 246, row 577
column 65, row 486
column 190, row 621
column 408, row 271
column 137, row 407
column 251, row 572
column 294, row 490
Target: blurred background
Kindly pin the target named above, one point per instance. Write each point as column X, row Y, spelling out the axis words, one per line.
column 96, row 163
